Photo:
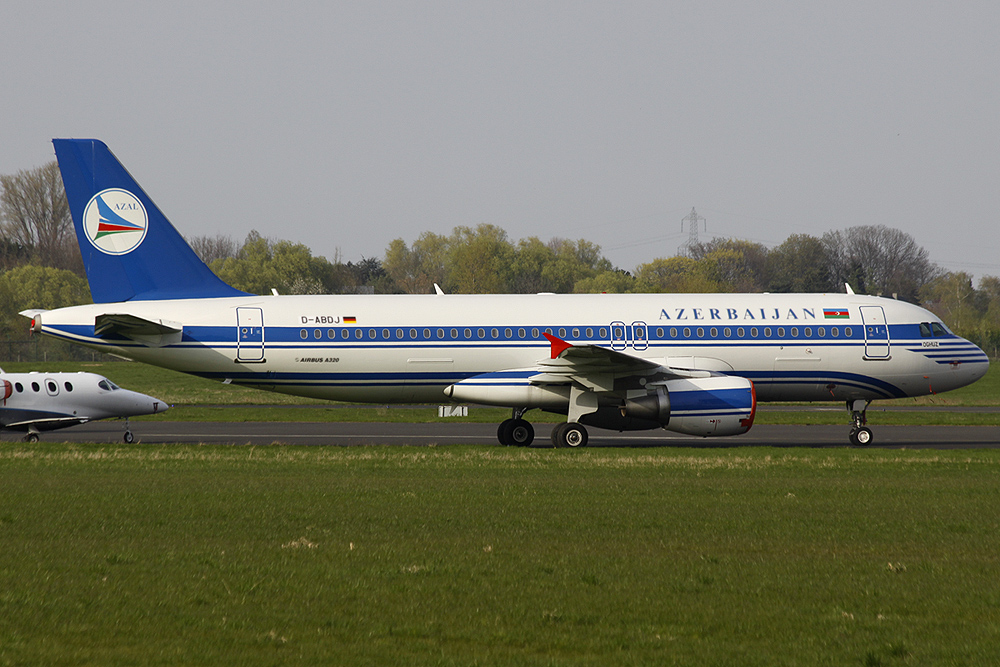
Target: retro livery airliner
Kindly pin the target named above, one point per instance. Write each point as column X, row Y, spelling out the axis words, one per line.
column 690, row 363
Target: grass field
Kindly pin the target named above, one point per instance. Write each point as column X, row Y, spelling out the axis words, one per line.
column 491, row 556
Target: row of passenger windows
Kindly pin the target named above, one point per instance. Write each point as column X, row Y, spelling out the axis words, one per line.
column 618, row 333
column 451, row 334
column 49, row 384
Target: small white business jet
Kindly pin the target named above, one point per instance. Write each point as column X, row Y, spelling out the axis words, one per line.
column 36, row 402
column 690, row 363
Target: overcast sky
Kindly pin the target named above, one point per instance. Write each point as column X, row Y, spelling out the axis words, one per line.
column 344, row 125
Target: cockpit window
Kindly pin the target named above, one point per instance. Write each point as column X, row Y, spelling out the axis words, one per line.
column 939, row 329
column 107, row 385
column 925, row 329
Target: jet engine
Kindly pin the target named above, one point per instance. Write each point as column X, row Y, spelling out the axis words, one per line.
column 717, row 405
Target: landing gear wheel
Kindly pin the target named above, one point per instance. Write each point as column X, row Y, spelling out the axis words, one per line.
column 128, row 438
column 569, row 434
column 31, row 437
column 502, row 432
column 521, row 433
column 862, row 436
column 515, row 432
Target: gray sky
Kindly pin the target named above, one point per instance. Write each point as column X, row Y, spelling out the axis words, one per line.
column 344, row 125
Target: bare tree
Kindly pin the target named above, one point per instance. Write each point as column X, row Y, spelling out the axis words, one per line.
column 211, row 248
column 876, row 259
column 35, row 216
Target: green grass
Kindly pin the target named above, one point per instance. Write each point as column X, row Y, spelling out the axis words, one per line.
column 461, row 555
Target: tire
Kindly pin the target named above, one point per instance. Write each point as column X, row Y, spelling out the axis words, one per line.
column 520, row 433
column 569, row 434
column 503, row 432
column 863, row 436
column 31, row 437
column 128, row 438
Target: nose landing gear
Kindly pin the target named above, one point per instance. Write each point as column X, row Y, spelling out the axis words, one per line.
column 860, row 435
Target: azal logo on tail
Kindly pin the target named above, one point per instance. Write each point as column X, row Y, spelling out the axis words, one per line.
column 115, row 221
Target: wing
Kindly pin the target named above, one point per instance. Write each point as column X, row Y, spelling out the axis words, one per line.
column 598, row 368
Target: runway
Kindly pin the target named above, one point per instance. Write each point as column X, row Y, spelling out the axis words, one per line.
column 345, row 434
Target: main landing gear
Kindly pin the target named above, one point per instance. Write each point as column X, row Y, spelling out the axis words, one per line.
column 861, row 435
column 516, row 431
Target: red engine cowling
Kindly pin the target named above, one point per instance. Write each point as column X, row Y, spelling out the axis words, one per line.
column 712, row 406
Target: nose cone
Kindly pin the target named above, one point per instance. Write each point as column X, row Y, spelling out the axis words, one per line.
column 965, row 363
column 133, row 403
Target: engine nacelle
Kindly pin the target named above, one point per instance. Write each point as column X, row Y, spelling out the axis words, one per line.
column 713, row 406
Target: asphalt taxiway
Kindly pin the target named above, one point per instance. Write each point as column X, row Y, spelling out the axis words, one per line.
column 451, row 433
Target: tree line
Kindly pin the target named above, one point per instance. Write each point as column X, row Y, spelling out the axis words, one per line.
column 40, row 265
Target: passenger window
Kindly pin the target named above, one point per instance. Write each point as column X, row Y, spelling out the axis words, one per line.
column 847, row 332
column 795, row 332
column 713, row 332
column 659, row 332
column 317, row 334
column 753, row 332
column 51, row 386
column 834, row 331
column 345, row 333
column 687, row 332
column 603, row 333
column 590, row 333
column 576, row 333
column 740, row 332
column 520, row 333
column 673, row 332
column 767, row 332
column 781, row 332
column 727, row 332
column 821, row 332
column 413, row 333
column 18, row 387
column 534, row 333
column 34, row 386
column 562, row 332
column 399, row 334
column 701, row 332
column 68, row 386
column 303, row 334
column 454, row 333
column 808, row 332
column 468, row 333
column 331, row 333
column 440, row 333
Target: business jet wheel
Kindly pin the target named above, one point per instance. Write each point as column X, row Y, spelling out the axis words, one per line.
column 129, row 438
column 31, row 437
column 569, row 434
column 862, row 436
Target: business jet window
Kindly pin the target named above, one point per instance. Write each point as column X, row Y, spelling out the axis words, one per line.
column 103, row 384
column 69, row 387
column 18, row 387
column 52, row 387
column 34, row 386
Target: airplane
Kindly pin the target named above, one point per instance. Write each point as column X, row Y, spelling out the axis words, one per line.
column 695, row 364
column 35, row 402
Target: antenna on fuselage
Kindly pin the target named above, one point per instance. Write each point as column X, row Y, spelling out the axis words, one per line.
column 848, row 286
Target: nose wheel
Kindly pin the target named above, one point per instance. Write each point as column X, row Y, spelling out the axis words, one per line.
column 860, row 435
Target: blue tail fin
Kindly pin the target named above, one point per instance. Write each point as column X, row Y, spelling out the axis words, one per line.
column 129, row 248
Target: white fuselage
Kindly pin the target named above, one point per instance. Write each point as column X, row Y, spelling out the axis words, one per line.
column 48, row 401
column 793, row 347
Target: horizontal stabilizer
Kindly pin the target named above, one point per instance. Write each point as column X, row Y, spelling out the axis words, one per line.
column 155, row 333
